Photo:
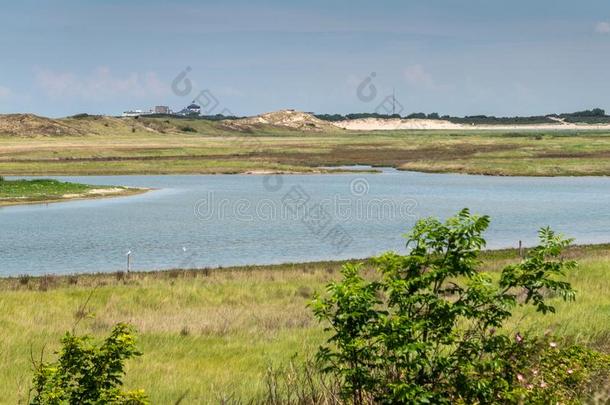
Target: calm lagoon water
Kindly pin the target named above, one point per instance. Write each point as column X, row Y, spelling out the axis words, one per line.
column 223, row 220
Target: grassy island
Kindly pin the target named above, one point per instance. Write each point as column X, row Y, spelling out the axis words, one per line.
column 15, row 192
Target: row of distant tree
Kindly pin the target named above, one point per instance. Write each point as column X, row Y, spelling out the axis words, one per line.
column 591, row 116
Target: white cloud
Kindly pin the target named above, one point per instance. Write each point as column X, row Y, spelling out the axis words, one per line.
column 100, row 84
column 416, row 75
column 602, row 27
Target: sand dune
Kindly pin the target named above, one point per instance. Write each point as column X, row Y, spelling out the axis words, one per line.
column 379, row 124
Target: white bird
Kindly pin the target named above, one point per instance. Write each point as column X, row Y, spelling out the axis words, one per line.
column 183, row 249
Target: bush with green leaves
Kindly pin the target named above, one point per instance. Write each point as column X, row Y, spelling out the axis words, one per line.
column 428, row 328
column 87, row 373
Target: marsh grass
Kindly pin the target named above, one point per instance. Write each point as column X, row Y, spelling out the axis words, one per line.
column 39, row 189
column 158, row 146
column 215, row 334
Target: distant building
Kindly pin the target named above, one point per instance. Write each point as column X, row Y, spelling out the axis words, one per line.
column 135, row 113
column 162, row 109
column 192, row 109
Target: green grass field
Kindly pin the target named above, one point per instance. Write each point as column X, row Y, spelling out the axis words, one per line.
column 158, row 146
column 212, row 334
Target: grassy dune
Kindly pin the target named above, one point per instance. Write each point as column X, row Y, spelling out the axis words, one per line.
column 159, row 146
column 212, row 334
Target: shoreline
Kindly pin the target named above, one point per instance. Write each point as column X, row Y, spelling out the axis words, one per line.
column 501, row 254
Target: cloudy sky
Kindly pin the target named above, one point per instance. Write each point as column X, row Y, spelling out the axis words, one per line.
column 453, row 57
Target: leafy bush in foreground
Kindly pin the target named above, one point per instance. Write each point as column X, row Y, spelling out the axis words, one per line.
column 88, row 374
column 429, row 329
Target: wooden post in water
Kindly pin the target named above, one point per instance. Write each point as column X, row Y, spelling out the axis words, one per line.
column 128, row 261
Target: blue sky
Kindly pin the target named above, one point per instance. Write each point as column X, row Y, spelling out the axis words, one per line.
column 453, row 57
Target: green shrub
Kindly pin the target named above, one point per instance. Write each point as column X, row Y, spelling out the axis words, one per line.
column 186, row 128
column 428, row 329
column 80, row 116
column 86, row 373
